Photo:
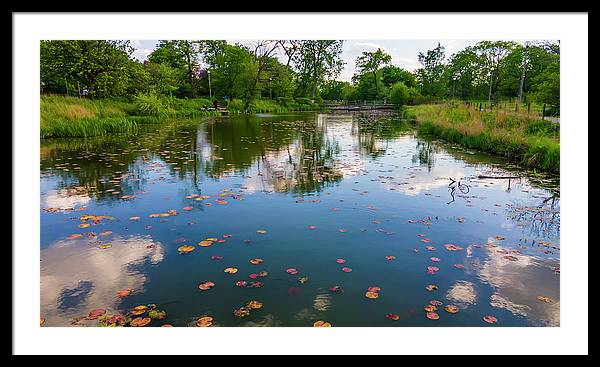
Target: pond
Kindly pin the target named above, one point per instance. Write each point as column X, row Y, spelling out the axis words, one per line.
column 348, row 218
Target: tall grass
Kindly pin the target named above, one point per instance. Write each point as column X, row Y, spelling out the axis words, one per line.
column 80, row 117
column 529, row 141
column 62, row 116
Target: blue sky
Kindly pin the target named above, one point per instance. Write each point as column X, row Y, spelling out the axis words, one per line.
column 404, row 52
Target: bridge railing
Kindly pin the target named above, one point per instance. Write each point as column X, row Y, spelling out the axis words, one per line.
column 334, row 103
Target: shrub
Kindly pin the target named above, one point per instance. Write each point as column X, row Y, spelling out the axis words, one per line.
column 399, row 94
column 151, row 104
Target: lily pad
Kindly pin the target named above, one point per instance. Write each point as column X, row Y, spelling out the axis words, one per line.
column 204, row 321
column 140, row 321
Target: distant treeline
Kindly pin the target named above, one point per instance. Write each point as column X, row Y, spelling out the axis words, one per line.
column 304, row 70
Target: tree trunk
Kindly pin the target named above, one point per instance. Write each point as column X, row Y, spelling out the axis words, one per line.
column 375, row 80
column 490, row 90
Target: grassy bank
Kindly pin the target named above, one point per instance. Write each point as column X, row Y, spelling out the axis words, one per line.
column 62, row 116
column 520, row 138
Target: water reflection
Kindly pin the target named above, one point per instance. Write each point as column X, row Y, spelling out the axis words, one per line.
column 77, row 277
column 357, row 160
column 518, row 280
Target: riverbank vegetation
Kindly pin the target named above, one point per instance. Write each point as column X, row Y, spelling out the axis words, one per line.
column 517, row 137
column 97, row 87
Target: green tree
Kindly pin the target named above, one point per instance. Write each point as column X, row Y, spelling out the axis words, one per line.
column 399, row 94
column 104, row 68
column 493, row 53
column 370, row 62
column 316, row 61
column 336, row 90
column 431, row 74
column 184, row 56
column 391, row 74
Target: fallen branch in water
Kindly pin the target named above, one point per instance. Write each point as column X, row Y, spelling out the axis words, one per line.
column 499, row 177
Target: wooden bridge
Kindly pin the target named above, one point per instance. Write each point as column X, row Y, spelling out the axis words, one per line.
column 359, row 105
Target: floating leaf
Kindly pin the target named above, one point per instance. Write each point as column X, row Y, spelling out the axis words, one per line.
column 188, row 208
column 343, row 230
column 390, row 257
column 430, row 308
column 303, row 280
column 312, row 227
column 432, row 315
column 204, row 286
column 451, row 247
column 205, row 321
column 103, row 247
column 451, row 308
column 340, row 261
column 74, row 236
column 336, row 288
column 138, row 310
column 254, row 305
column 435, row 259
column 371, row 295
column 435, row 302
column 292, row 271
column 261, row 231
column 256, row 261
column 185, row 249
column 320, row 323
column 393, row 316
column 431, row 287
column 205, row 243
column 140, row 321
column 490, row 319
column 241, row 312
column 230, row 270
column 346, row 270
column 94, row 314
column 157, row 314
column 123, row 293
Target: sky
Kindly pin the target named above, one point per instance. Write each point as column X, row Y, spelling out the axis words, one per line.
column 404, row 52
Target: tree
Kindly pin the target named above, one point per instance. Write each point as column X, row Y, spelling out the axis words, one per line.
column 336, row 90
column 391, row 74
column 162, row 78
column 370, row 62
column 182, row 55
column 431, row 74
column 290, row 47
column 399, row 94
column 263, row 52
column 104, row 68
column 231, row 68
column 317, row 60
column 493, row 53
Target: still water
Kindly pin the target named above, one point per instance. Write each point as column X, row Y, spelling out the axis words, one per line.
column 327, row 207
